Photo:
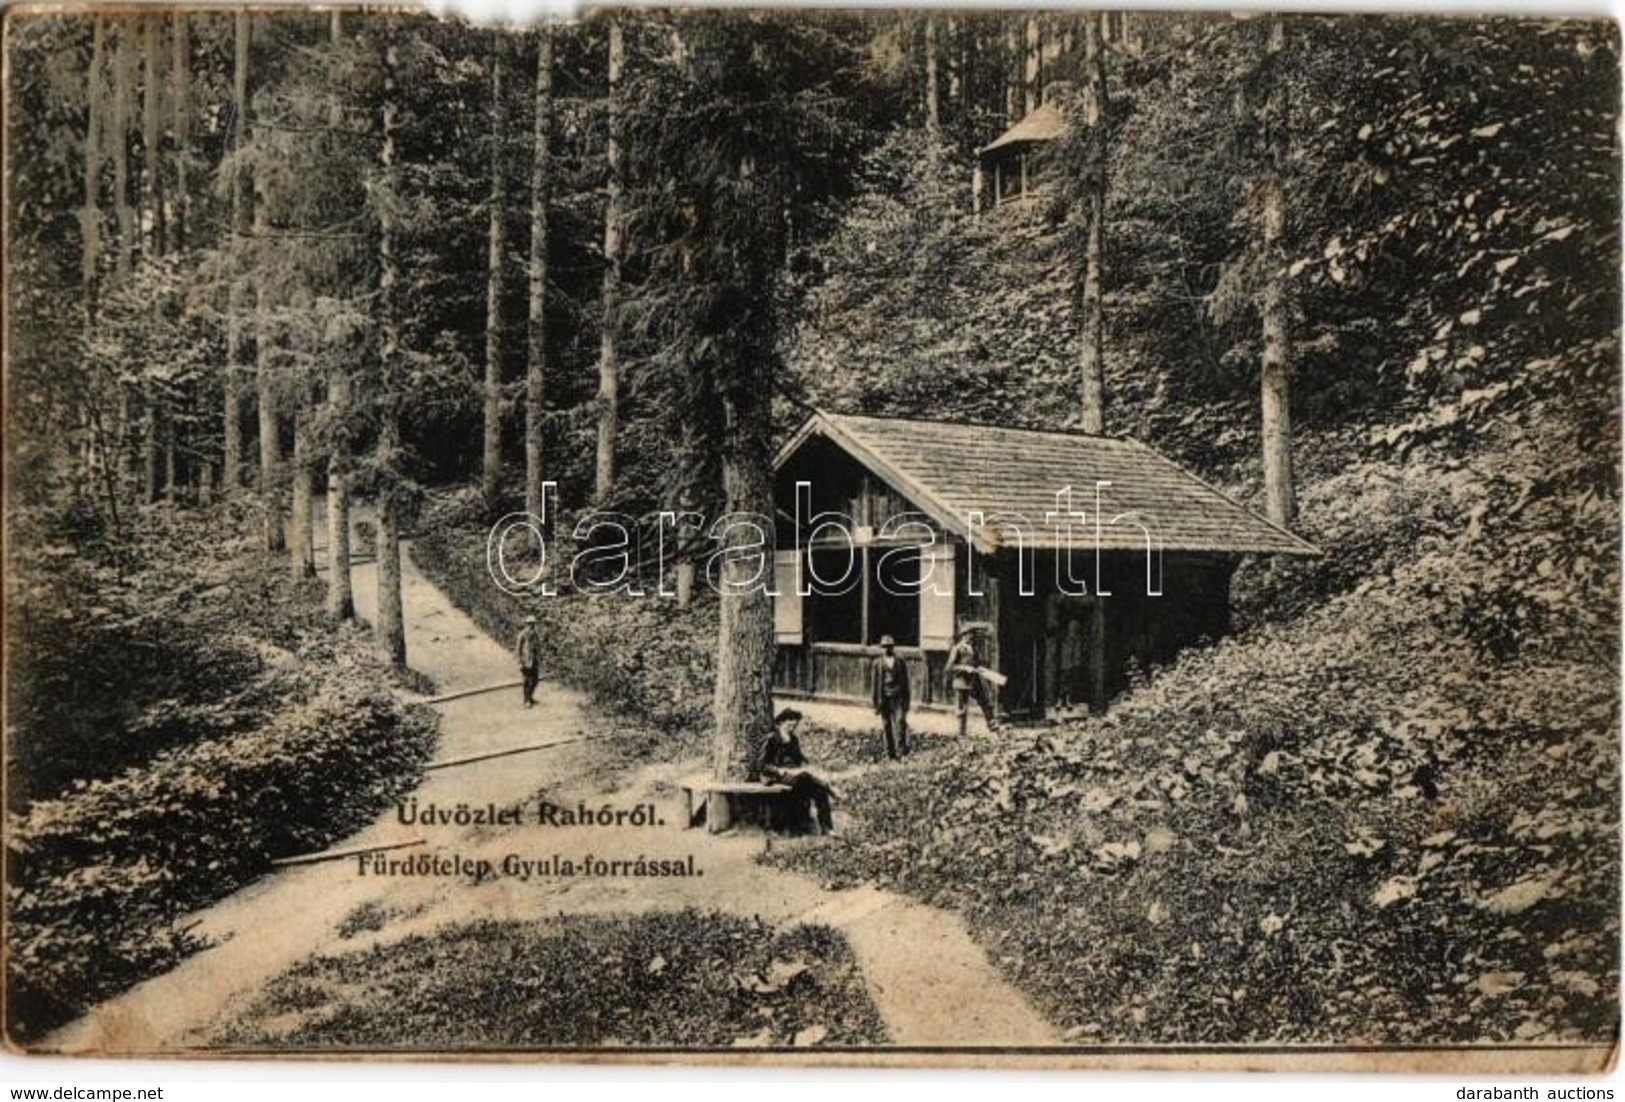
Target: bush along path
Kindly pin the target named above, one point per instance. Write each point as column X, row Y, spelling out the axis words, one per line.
column 222, row 700
column 930, row 983
column 577, row 981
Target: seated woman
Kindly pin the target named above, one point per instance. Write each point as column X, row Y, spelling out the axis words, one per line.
column 781, row 762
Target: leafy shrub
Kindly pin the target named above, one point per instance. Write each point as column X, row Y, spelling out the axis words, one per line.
column 99, row 672
column 579, row 980
column 100, row 874
column 182, row 715
column 1340, row 827
column 463, row 507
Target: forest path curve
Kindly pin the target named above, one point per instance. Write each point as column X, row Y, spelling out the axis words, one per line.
column 932, row 984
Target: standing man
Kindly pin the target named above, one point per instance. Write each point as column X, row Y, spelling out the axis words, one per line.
column 888, row 683
column 964, row 672
column 529, row 652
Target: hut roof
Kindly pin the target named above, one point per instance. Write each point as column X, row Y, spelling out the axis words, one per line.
column 950, row 471
column 1044, row 124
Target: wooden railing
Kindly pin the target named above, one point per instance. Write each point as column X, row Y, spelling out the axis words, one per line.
column 841, row 671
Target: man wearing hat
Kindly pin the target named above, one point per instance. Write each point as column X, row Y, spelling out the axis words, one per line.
column 964, row 671
column 888, row 682
column 529, row 651
column 781, row 761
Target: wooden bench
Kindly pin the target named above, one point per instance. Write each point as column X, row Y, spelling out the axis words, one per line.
column 725, row 802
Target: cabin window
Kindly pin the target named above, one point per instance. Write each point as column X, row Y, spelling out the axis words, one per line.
column 1010, row 178
column 894, row 599
column 866, row 605
column 828, row 615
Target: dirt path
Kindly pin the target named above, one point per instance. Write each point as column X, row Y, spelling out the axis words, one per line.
column 932, row 984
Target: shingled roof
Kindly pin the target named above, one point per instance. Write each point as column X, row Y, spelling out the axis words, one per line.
column 950, row 471
column 1044, row 123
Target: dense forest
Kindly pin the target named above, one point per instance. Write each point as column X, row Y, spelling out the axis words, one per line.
column 280, row 280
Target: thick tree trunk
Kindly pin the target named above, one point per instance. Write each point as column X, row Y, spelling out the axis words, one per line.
column 152, row 452
column 301, row 519
column 201, row 471
column 743, row 703
column 685, row 560
column 152, row 242
column 90, row 241
column 231, row 474
column 1093, row 307
column 171, row 463
column 231, row 460
column 1276, row 370
column 126, row 435
column 340, row 586
column 1012, row 70
column 933, row 103
column 90, row 231
column 180, row 82
column 119, row 137
column 340, row 590
column 1094, row 325
column 152, row 180
column 390, row 630
column 265, row 385
column 609, row 366
column 389, row 627
column 208, row 469
column 536, row 333
column 491, row 469
column 1279, row 498
column 1031, row 85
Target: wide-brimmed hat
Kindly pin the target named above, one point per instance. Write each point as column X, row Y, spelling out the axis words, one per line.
column 887, row 641
column 530, row 619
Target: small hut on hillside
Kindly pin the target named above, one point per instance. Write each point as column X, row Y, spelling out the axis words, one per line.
column 935, row 525
column 1004, row 170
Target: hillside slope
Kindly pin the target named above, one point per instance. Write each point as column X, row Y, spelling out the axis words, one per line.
column 1349, row 825
column 1386, row 809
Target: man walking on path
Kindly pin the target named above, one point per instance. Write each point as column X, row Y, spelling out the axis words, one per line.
column 964, row 670
column 529, row 651
column 888, row 683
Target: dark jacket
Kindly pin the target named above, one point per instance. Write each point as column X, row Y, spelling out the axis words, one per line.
column 877, row 681
column 528, row 648
column 780, row 754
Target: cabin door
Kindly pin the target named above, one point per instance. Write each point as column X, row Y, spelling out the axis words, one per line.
column 1072, row 632
column 1021, row 652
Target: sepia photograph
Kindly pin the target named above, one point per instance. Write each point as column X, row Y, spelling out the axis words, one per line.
column 945, row 538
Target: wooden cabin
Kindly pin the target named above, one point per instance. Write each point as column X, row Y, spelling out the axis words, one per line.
column 1005, row 169
column 915, row 529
